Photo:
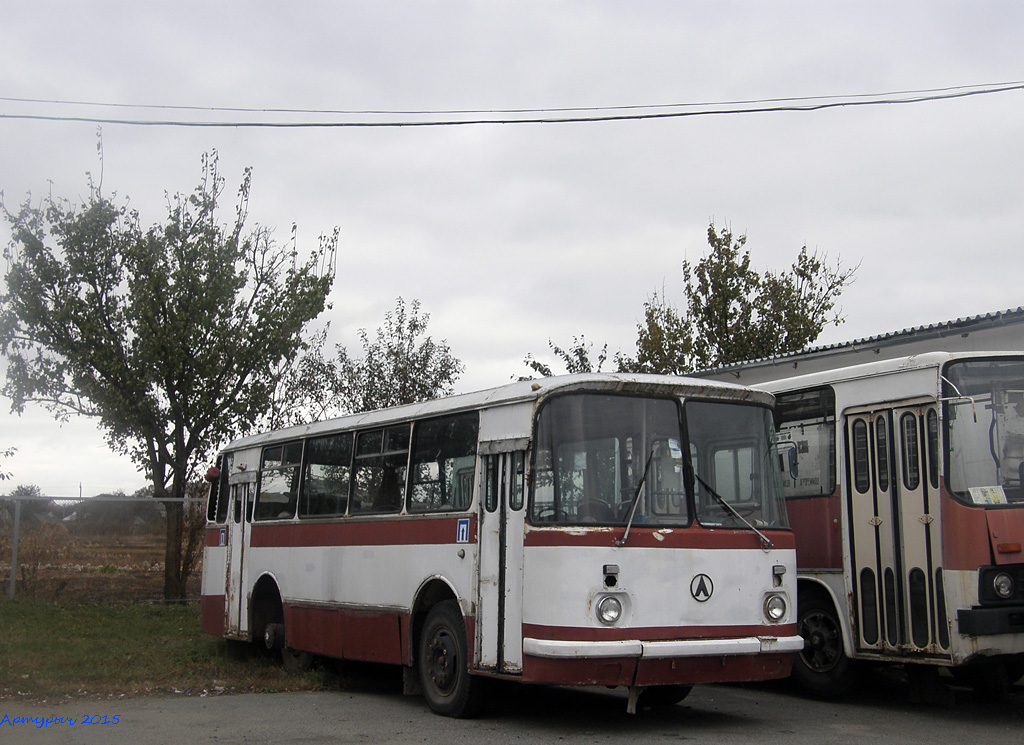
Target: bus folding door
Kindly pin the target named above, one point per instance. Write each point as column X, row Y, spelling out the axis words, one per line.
column 499, row 622
column 892, row 456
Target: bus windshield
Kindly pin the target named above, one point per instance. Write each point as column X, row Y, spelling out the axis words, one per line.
column 983, row 414
column 732, row 448
column 595, row 453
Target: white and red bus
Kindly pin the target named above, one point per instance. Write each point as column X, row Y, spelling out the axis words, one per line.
column 904, row 482
column 585, row 530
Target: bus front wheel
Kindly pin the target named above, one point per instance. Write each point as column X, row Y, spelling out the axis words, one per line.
column 822, row 669
column 443, row 660
column 658, row 696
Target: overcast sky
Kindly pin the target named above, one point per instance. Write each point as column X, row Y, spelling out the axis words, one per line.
column 513, row 234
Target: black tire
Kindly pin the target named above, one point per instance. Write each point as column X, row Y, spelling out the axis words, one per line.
column 658, row 696
column 822, row 669
column 990, row 679
column 296, row 662
column 1015, row 669
column 293, row 661
column 443, row 660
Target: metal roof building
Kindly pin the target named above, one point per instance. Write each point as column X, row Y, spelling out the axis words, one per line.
column 991, row 332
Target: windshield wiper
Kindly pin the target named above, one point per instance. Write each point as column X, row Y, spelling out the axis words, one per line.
column 636, row 501
column 765, row 542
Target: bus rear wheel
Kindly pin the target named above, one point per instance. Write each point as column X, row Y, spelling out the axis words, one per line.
column 822, row 669
column 443, row 659
column 296, row 662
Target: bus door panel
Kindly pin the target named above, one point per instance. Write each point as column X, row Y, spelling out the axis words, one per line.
column 239, row 523
column 870, row 518
column 920, row 530
column 884, row 487
column 894, row 536
column 499, row 625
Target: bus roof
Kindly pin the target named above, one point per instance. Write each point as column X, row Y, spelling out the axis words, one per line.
column 871, row 369
column 519, row 391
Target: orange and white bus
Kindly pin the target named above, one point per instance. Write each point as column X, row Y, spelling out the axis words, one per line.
column 606, row 530
column 904, row 482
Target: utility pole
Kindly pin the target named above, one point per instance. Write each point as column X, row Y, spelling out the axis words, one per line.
column 14, row 551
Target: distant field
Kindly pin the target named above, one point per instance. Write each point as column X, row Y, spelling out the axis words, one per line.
column 84, row 624
column 92, row 568
column 51, row 652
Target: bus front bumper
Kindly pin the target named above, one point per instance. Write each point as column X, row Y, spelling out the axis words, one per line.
column 751, row 645
column 987, row 621
column 633, row 662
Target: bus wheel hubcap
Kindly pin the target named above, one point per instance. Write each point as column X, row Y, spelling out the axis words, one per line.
column 443, row 660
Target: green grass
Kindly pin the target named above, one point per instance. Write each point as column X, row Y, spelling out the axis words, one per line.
column 50, row 651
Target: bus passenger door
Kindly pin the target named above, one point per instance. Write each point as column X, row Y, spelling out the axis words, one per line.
column 893, row 505
column 499, row 621
column 239, row 522
column 874, row 572
column 915, row 446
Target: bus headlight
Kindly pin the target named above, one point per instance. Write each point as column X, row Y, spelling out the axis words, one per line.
column 1002, row 583
column 609, row 610
column 775, row 608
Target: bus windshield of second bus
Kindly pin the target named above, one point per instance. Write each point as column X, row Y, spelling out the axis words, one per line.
column 984, row 420
column 597, row 454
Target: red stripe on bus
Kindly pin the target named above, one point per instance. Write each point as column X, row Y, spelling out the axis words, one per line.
column 354, row 633
column 211, row 614
column 654, row 633
column 646, row 537
column 714, row 669
column 816, row 523
column 371, row 636
column 402, row 531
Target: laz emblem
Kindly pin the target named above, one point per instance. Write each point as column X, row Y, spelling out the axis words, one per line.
column 701, row 587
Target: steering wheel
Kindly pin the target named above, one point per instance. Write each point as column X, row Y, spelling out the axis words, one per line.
column 551, row 515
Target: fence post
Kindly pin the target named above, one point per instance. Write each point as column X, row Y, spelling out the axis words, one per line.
column 14, row 551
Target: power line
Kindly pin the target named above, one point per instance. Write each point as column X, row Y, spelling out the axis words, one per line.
column 440, row 112
column 613, row 113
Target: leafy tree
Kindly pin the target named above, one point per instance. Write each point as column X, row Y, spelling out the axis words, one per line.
column 33, row 504
column 398, row 366
column 576, row 358
column 735, row 313
column 170, row 336
column 308, row 387
column 27, row 490
column 664, row 341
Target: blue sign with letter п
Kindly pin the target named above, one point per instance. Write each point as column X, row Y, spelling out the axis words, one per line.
column 462, row 531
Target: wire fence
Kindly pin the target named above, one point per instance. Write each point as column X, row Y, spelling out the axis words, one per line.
column 106, row 549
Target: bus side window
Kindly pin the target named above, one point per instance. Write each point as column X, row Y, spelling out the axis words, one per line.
column 380, row 470
column 806, row 424
column 279, row 482
column 443, row 462
column 327, row 476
